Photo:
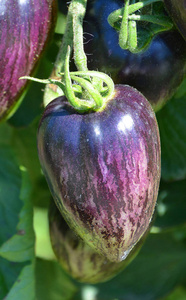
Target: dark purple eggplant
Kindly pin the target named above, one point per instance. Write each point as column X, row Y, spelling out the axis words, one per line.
column 77, row 258
column 25, row 27
column 103, row 169
column 177, row 11
column 156, row 72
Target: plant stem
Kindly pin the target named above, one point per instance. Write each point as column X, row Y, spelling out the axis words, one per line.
column 66, row 41
column 132, row 8
column 78, row 12
column 73, row 37
column 78, row 104
column 138, row 5
column 94, row 88
column 123, row 34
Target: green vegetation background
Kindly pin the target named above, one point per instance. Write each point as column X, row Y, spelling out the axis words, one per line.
column 28, row 268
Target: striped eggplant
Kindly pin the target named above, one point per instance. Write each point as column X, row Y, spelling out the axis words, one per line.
column 25, row 28
column 103, row 168
column 177, row 11
column 77, row 258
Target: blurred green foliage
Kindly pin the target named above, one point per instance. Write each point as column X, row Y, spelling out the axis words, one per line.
column 28, row 267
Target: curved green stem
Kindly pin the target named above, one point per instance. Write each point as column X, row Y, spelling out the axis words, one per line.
column 139, row 5
column 78, row 104
column 92, row 89
column 132, row 35
column 73, row 37
column 94, row 93
column 95, row 100
column 79, row 10
column 106, row 91
column 123, row 34
column 117, row 14
column 46, row 81
column 137, row 38
column 66, row 41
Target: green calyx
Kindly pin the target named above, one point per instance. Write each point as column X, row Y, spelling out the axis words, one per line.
column 92, row 85
column 130, row 19
column 85, row 90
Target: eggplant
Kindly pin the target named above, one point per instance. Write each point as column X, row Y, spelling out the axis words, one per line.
column 77, row 258
column 156, row 72
column 177, row 11
column 25, row 28
column 103, row 168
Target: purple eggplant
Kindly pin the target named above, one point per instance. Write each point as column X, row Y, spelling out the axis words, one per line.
column 25, row 27
column 157, row 72
column 177, row 11
column 77, row 258
column 103, row 169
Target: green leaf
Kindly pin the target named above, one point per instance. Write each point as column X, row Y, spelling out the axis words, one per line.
column 16, row 221
column 9, row 272
column 171, row 204
column 5, row 134
column 172, row 125
column 24, row 287
column 20, row 247
column 178, row 294
column 52, row 283
column 10, row 186
column 25, row 144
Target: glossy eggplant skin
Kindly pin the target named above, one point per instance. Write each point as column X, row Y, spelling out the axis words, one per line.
column 103, row 169
column 177, row 11
column 25, row 27
column 156, row 73
column 77, row 258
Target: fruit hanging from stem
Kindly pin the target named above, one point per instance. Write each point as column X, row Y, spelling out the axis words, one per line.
column 103, row 168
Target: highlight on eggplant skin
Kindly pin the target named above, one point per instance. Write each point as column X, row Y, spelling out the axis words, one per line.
column 77, row 258
column 25, row 28
column 103, row 169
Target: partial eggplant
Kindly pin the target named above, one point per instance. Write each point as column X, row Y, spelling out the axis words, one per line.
column 25, row 28
column 177, row 11
column 103, row 168
column 156, row 72
column 77, row 258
